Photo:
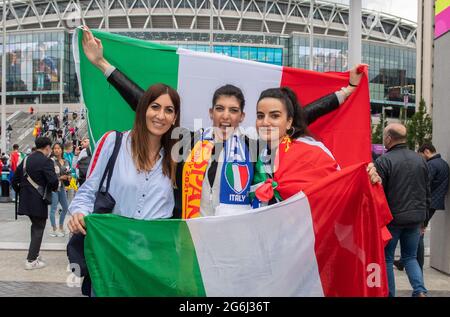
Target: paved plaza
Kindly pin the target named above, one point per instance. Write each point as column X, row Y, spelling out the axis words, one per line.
column 56, row 281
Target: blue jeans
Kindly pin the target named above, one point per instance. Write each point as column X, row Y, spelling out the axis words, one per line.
column 12, row 193
column 59, row 197
column 409, row 242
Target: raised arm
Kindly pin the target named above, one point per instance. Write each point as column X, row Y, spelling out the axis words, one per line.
column 93, row 49
column 331, row 102
column 321, row 107
column 127, row 88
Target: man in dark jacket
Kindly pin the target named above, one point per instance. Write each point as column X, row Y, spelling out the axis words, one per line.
column 439, row 181
column 406, row 184
column 40, row 170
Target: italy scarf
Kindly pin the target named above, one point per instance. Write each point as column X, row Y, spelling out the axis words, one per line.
column 236, row 173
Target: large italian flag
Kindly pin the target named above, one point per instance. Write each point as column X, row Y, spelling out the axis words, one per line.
column 196, row 76
column 327, row 241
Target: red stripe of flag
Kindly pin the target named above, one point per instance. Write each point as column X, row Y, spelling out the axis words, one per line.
column 97, row 153
column 346, row 131
column 243, row 172
column 349, row 218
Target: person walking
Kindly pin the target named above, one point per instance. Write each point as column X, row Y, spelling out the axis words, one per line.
column 35, row 176
column 439, row 183
column 69, row 156
column 62, row 169
column 52, row 128
column 405, row 180
column 15, row 158
column 56, row 121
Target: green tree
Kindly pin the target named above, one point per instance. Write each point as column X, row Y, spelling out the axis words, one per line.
column 420, row 127
column 377, row 131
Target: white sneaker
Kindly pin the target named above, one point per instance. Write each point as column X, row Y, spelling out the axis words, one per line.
column 60, row 233
column 53, row 233
column 36, row 264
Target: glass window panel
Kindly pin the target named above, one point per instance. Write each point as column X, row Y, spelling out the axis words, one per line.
column 253, row 53
column 235, row 51
column 226, row 50
column 278, row 56
column 245, row 52
column 261, row 54
column 270, row 55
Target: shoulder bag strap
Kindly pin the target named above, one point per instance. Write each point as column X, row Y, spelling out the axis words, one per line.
column 29, row 179
column 25, row 166
column 111, row 162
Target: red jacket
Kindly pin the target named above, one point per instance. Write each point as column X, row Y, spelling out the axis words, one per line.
column 14, row 159
column 302, row 162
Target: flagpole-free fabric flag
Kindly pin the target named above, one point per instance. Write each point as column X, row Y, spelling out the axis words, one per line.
column 326, row 241
column 195, row 75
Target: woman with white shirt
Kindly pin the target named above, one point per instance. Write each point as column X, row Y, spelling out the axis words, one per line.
column 143, row 174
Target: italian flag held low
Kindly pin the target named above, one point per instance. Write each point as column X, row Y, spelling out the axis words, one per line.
column 327, row 241
column 346, row 132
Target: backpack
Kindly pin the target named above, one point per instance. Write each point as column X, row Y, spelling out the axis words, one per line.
column 83, row 165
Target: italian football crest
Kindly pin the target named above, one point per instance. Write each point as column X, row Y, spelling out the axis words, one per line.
column 237, row 176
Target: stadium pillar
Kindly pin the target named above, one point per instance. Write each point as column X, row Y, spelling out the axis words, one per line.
column 211, row 25
column 106, row 12
column 3, row 119
column 354, row 33
column 61, row 76
column 311, row 35
column 440, row 223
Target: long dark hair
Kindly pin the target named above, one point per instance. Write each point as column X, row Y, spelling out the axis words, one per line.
column 293, row 108
column 140, row 135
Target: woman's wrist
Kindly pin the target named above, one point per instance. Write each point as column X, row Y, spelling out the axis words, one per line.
column 349, row 90
column 103, row 64
column 344, row 93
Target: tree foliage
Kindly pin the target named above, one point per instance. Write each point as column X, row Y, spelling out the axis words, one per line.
column 377, row 131
column 420, row 127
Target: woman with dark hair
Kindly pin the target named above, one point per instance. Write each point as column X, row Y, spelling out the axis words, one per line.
column 204, row 186
column 144, row 173
column 62, row 170
column 293, row 159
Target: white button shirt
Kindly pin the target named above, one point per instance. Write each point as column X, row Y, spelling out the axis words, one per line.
column 146, row 195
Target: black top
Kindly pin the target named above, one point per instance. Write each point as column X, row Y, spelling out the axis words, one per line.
column 439, row 178
column 406, row 185
column 41, row 169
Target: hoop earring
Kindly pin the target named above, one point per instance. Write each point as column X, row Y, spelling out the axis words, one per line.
column 291, row 133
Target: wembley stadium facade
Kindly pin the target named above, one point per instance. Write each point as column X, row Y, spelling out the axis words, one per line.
column 38, row 41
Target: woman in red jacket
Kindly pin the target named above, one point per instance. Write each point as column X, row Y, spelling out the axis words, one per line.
column 293, row 159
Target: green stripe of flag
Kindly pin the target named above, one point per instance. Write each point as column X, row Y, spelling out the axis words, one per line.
column 158, row 256
column 230, row 175
column 107, row 110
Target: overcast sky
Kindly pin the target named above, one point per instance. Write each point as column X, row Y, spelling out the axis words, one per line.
column 402, row 8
